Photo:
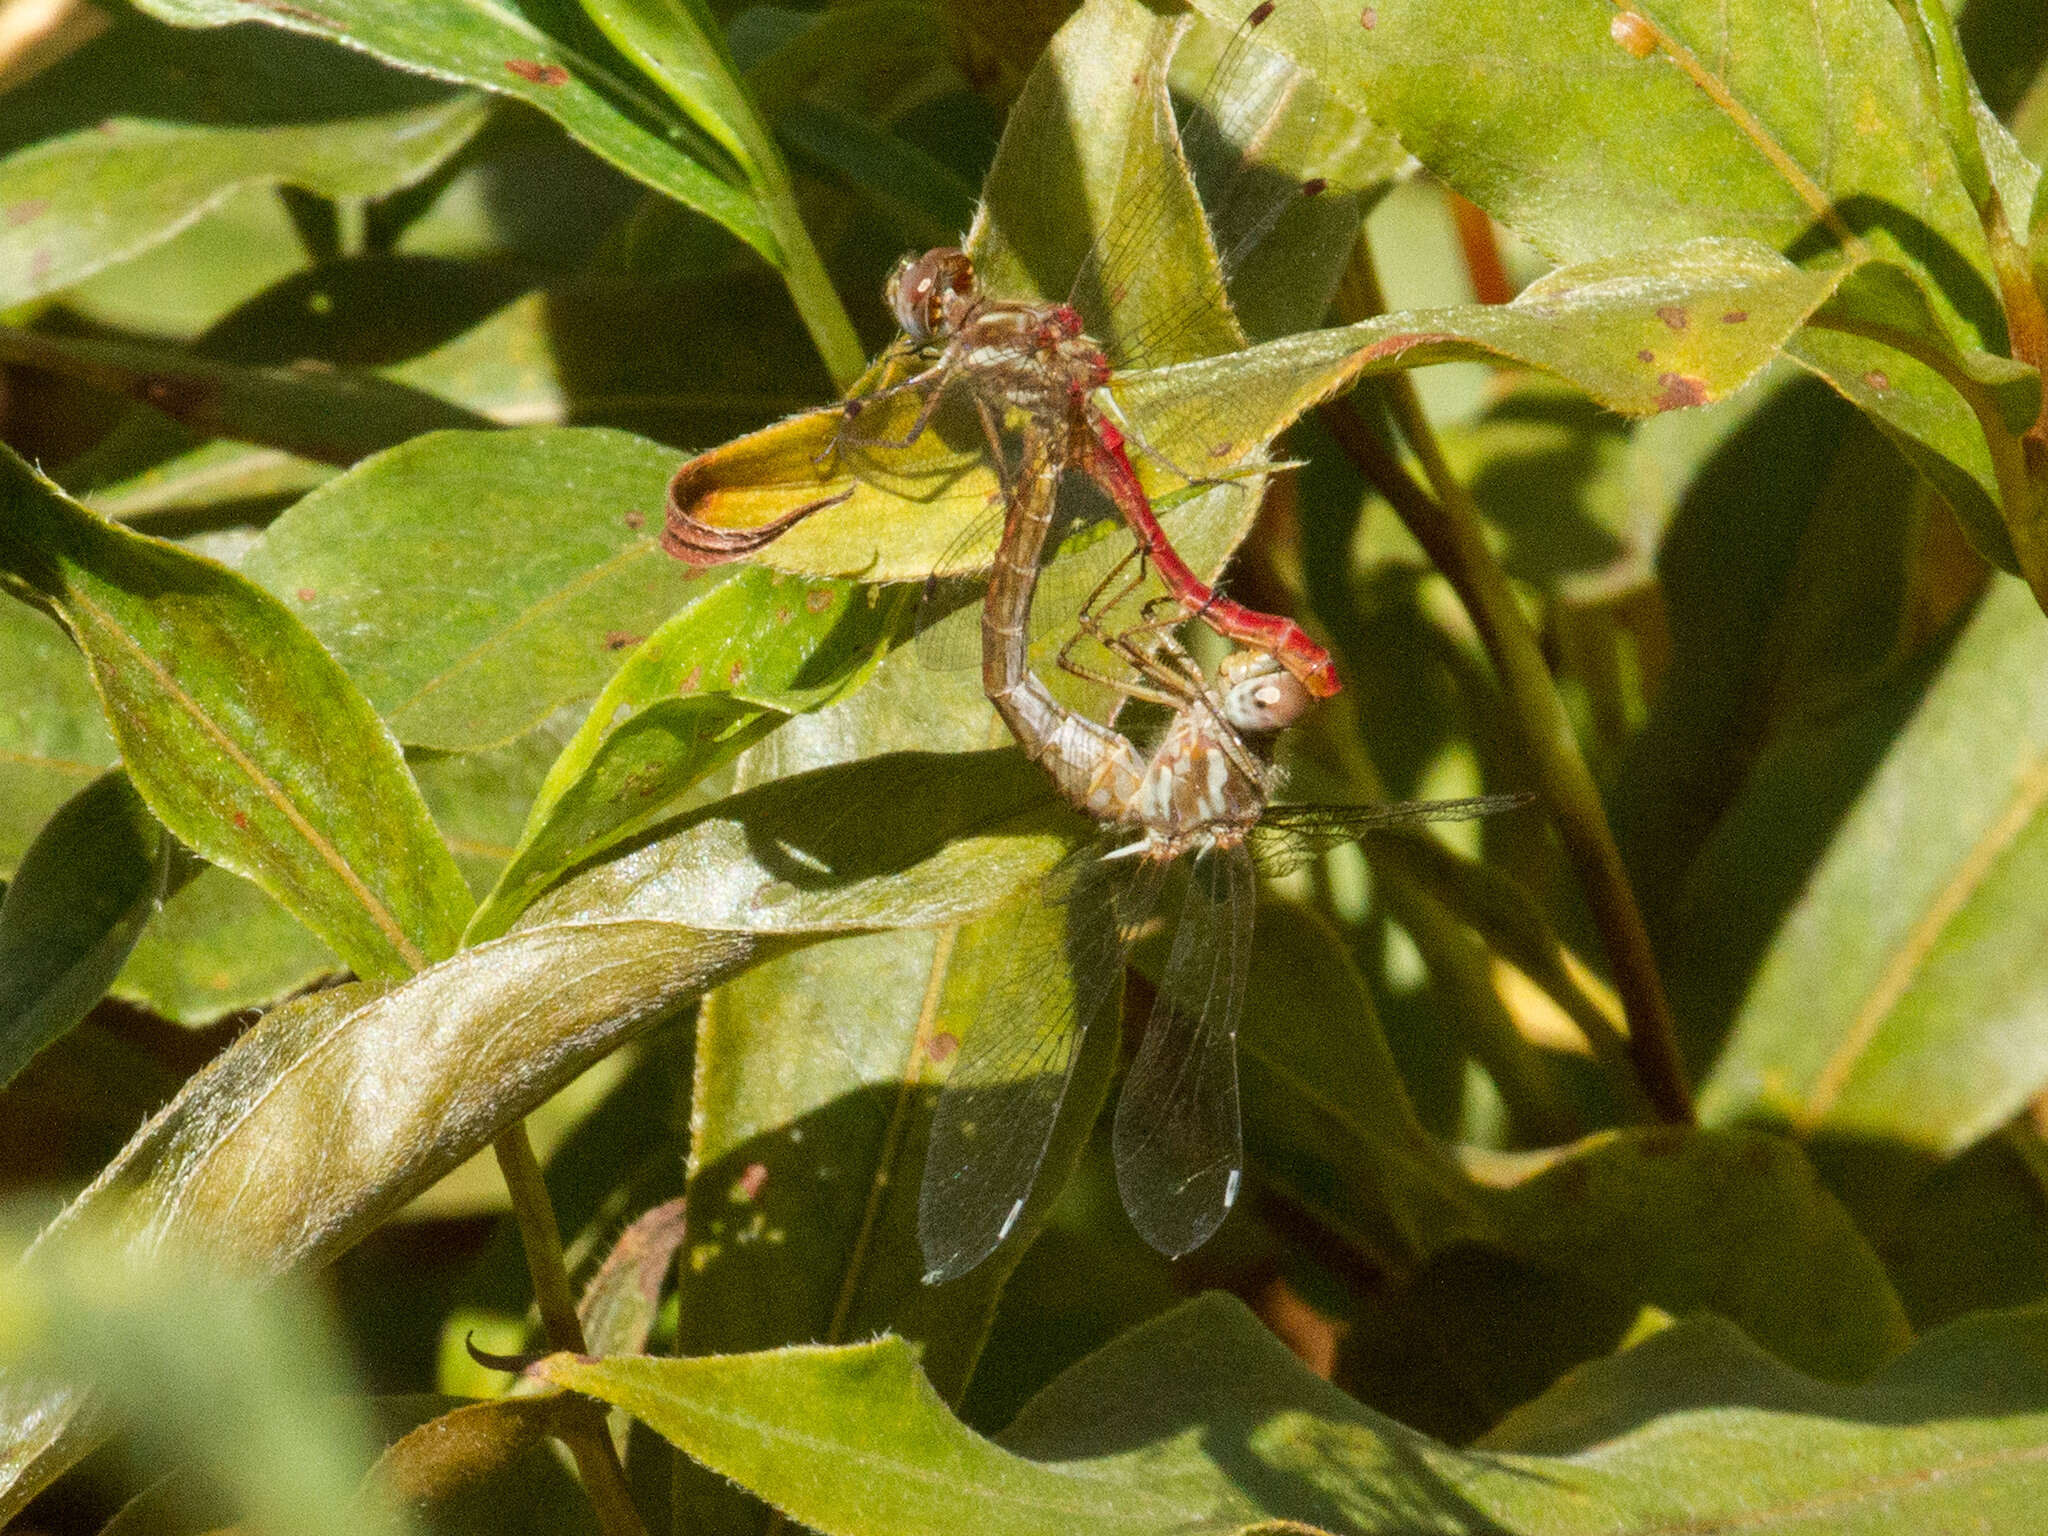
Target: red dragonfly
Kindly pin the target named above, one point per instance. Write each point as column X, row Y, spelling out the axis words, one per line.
column 1035, row 363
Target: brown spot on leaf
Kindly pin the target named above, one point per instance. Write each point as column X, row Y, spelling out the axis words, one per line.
column 535, row 73
column 734, row 673
column 241, row 821
column 1680, row 390
column 305, row 594
column 27, row 209
column 636, row 520
column 818, row 599
column 1735, row 317
column 39, row 265
column 1878, row 380
column 174, row 396
column 1646, row 356
column 691, row 683
column 619, row 640
column 1315, row 186
column 942, row 1046
column 752, row 1180
column 1674, row 315
column 1636, row 34
column 1368, row 18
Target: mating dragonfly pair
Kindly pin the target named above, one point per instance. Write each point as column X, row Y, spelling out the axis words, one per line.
column 1195, row 812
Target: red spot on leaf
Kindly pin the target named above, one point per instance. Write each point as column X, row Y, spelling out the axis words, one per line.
column 1636, row 34
column 636, row 520
column 298, row 12
column 1368, row 18
column 1646, row 356
column 942, row 1046
column 619, row 640
column 1878, row 380
column 819, row 600
column 783, row 615
column 1679, row 391
column 305, row 594
column 734, row 674
column 536, row 73
column 1735, row 317
column 28, row 208
column 1259, row 14
column 1673, row 315
column 1315, row 186
column 752, row 1180
column 241, row 821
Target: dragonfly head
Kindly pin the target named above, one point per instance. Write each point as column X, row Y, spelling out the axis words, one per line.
column 928, row 293
column 1258, row 694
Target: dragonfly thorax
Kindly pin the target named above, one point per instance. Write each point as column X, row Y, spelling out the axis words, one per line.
column 1196, row 792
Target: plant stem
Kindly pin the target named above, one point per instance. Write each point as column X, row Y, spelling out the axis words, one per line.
column 1449, row 528
column 597, row 1460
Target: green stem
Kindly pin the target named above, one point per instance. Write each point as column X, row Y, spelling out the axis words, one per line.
column 1450, row 530
column 597, row 1460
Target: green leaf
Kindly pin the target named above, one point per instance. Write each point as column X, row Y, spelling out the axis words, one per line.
column 73, row 910
column 573, row 80
column 486, row 1469
column 240, row 733
column 1202, row 1422
column 750, row 649
column 319, row 413
column 219, row 946
column 250, row 1388
column 1896, row 996
column 146, row 129
column 903, row 840
column 338, row 1108
column 52, row 740
column 1769, row 147
column 473, row 583
column 1734, row 1222
column 155, row 178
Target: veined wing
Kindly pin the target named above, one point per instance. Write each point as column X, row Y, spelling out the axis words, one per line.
column 1287, row 836
column 1001, row 1101
column 1178, row 1142
column 1259, row 97
column 1086, row 544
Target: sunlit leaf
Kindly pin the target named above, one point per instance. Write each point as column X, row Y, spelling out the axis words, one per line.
column 1202, row 1422
column 147, row 128
column 239, row 732
column 587, row 91
column 472, row 583
column 1896, row 996
column 745, row 654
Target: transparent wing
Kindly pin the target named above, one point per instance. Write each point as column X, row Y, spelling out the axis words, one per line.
column 1257, row 94
column 1087, row 544
column 1001, row 1102
column 1179, row 1147
column 1287, row 836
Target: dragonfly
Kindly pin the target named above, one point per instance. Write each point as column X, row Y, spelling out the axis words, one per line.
column 1198, row 809
column 1036, row 364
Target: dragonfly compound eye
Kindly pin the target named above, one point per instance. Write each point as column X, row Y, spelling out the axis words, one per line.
column 921, row 288
column 1260, row 695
